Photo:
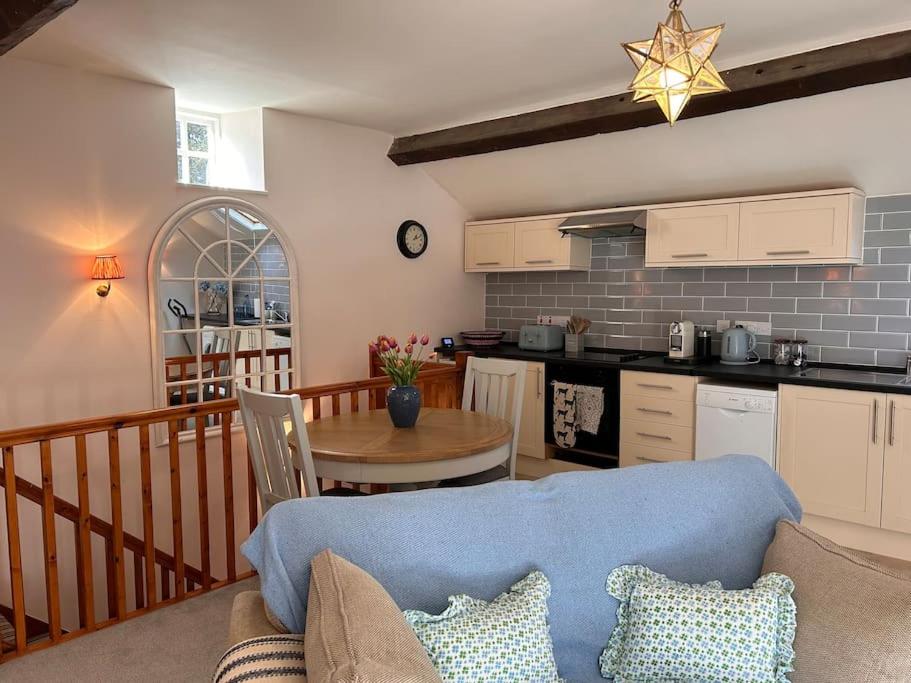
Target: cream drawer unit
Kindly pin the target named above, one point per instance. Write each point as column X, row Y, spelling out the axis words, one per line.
column 531, row 429
column 658, row 385
column 541, row 246
column 659, row 410
column 635, row 454
column 490, row 248
column 825, row 229
column 656, row 435
column 830, row 451
column 897, row 465
column 692, row 235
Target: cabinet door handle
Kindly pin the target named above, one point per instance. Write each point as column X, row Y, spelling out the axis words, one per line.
column 655, row 412
column 875, row 418
column 655, row 436
column 655, row 386
column 788, row 252
column 891, row 423
column 487, row 263
column 699, row 255
column 540, row 260
column 540, row 384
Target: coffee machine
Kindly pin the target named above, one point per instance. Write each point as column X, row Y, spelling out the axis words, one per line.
column 682, row 339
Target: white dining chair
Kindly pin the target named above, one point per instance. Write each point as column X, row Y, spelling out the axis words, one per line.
column 494, row 386
column 280, row 473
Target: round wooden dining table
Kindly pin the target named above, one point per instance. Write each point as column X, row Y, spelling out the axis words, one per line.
column 365, row 448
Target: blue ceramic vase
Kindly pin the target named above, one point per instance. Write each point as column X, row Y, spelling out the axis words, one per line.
column 404, row 405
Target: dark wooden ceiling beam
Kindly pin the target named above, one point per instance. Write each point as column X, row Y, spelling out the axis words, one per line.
column 21, row 18
column 863, row 62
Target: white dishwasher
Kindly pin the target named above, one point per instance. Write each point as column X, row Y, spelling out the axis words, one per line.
column 736, row 420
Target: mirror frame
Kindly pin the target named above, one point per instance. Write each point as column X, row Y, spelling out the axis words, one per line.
column 154, row 281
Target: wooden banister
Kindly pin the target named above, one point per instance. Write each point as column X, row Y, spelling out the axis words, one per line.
column 159, row 578
column 98, row 526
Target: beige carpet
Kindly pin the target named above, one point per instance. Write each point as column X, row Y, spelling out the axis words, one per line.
column 182, row 642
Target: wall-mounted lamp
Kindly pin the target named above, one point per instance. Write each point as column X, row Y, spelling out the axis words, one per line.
column 106, row 268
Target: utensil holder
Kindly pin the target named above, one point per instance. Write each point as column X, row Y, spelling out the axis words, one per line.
column 574, row 343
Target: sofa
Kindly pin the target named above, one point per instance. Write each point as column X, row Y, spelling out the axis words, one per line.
column 695, row 521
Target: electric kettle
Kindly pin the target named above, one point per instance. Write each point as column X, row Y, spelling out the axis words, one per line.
column 738, row 347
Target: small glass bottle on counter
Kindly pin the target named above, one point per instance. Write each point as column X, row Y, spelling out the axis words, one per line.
column 704, row 344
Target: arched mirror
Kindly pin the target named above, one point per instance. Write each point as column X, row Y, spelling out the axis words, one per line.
column 222, row 295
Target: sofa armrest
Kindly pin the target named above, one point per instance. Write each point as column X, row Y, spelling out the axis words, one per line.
column 248, row 618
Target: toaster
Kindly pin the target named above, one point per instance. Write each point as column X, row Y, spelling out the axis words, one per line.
column 541, row 337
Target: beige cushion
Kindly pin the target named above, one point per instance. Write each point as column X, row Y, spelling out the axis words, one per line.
column 249, row 618
column 853, row 614
column 356, row 632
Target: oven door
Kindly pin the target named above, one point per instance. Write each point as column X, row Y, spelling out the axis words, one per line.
column 597, row 450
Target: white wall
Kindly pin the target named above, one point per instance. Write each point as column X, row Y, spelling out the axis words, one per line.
column 240, row 160
column 855, row 137
column 88, row 167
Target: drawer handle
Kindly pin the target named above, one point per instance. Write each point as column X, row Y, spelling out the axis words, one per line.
column 655, row 386
column 788, row 252
column 649, row 460
column 540, row 260
column 700, row 255
column 487, row 263
column 655, row 436
column 655, row 412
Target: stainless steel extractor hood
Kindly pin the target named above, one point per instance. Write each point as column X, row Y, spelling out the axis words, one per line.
column 620, row 223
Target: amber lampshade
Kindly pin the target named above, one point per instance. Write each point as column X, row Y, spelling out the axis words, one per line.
column 106, row 268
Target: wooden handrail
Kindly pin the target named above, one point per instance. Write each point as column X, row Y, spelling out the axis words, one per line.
column 159, row 578
column 70, row 512
column 60, row 430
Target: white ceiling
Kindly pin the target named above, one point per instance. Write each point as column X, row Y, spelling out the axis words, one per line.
column 407, row 66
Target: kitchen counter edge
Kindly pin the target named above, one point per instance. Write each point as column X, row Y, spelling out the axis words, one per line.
column 762, row 373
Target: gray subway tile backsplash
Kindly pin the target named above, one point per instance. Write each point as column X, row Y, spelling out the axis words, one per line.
column 849, row 314
column 897, row 221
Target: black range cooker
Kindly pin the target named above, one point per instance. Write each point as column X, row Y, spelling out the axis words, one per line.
column 595, row 369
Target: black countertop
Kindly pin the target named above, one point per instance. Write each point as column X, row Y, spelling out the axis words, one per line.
column 859, row 378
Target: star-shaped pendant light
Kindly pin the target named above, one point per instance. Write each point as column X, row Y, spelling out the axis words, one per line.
column 674, row 66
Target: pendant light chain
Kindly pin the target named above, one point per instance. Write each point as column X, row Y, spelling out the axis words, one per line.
column 675, row 4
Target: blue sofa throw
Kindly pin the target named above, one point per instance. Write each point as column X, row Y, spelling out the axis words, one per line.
column 693, row 521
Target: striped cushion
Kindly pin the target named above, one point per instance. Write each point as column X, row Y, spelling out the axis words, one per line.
column 275, row 659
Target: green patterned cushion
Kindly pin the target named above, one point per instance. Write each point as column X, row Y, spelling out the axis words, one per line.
column 669, row 631
column 500, row 641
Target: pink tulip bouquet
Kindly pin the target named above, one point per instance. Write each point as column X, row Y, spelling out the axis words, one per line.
column 402, row 364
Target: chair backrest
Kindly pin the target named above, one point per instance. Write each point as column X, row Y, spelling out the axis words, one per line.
column 497, row 387
column 269, row 442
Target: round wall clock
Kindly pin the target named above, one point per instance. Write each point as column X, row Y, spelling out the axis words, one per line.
column 412, row 239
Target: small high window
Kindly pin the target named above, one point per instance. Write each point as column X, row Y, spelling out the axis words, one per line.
column 197, row 146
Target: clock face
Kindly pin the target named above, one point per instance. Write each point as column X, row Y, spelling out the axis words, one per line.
column 412, row 239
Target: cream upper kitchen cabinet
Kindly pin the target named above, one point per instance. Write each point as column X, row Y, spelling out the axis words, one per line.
column 830, row 451
column 524, row 245
column 824, row 229
column 541, row 246
column 490, row 247
column 692, row 235
column 897, row 466
column 531, row 429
